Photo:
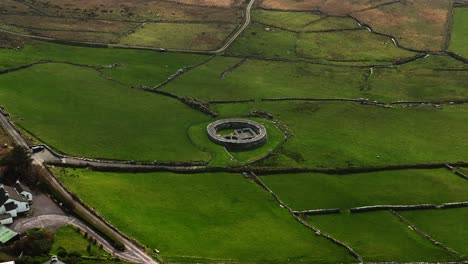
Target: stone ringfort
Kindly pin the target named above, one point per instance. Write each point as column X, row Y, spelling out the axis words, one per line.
column 247, row 134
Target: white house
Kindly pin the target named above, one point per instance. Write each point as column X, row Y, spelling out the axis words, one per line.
column 24, row 191
column 12, row 202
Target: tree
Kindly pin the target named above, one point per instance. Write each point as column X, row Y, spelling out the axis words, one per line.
column 18, row 165
column 36, row 242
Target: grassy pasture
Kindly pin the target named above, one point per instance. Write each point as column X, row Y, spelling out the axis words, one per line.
column 98, row 118
column 69, row 239
column 137, row 67
column 459, row 39
column 294, row 21
column 406, row 187
column 417, row 84
column 432, row 78
column 180, row 35
column 332, row 23
column 201, row 217
column 447, row 226
column 256, row 79
column 380, row 236
column 342, row 135
column 355, row 45
column 257, row 41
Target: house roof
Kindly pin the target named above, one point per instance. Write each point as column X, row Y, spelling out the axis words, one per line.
column 6, row 234
column 5, row 216
column 12, row 194
column 3, row 197
column 10, row 206
column 21, row 187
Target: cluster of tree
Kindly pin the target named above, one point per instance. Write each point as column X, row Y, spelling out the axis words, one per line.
column 17, row 165
column 33, row 247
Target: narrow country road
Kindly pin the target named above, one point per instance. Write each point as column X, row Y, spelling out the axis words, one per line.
column 248, row 18
column 226, row 44
column 54, row 221
column 132, row 252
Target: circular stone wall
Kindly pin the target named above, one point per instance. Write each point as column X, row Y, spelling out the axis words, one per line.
column 247, row 134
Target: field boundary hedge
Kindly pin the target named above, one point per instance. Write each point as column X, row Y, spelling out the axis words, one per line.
column 257, row 180
column 371, row 208
column 423, row 234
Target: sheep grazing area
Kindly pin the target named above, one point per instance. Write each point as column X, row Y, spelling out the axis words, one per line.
column 364, row 105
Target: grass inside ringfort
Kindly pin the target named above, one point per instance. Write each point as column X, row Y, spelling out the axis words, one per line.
column 201, row 217
column 380, row 237
column 305, row 191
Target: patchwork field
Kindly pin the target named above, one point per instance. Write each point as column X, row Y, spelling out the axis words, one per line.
column 418, row 25
column 296, row 35
column 205, row 25
column 91, row 104
column 307, row 191
column 446, row 226
column 380, row 236
column 340, row 86
column 201, row 217
column 343, row 135
column 168, row 35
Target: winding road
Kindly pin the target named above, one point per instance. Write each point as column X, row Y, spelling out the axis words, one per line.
column 132, row 252
column 226, row 44
column 54, row 221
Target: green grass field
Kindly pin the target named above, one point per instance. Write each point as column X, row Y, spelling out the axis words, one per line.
column 201, row 217
column 431, row 78
column 459, row 39
column 257, row 41
column 447, row 226
column 76, row 111
column 137, row 67
column 380, row 237
column 332, row 23
column 197, row 36
column 288, row 35
column 342, row 135
column 401, row 187
column 294, row 21
column 257, row 79
column 70, row 240
column 353, row 46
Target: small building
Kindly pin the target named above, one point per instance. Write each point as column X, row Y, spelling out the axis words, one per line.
column 7, row 235
column 54, row 260
column 8, row 262
column 24, row 191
